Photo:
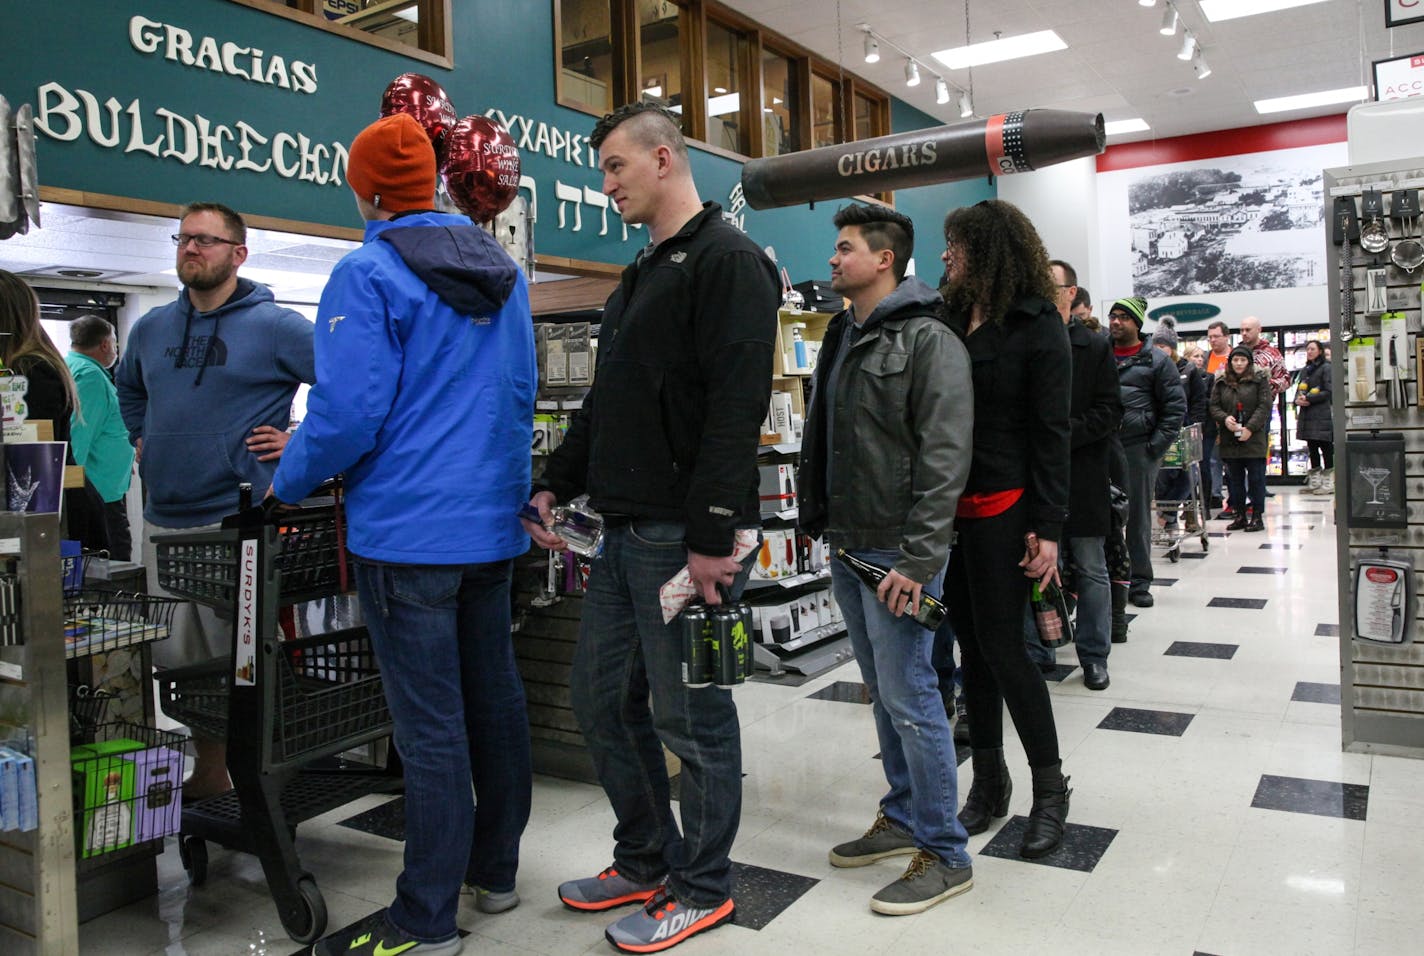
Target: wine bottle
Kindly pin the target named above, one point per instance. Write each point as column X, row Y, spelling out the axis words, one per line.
column 931, row 612
column 1050, row 614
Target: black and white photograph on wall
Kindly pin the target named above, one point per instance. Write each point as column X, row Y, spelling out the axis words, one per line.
column 1234, row 224
column 1376, row 480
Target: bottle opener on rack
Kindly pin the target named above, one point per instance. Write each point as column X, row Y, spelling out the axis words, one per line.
column 1374, row 234
column 1344, row 229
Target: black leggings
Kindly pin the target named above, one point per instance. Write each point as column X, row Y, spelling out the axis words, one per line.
column 1319, row 450
column 987, row 594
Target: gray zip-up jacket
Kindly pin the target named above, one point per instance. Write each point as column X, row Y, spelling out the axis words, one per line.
column 904, row 428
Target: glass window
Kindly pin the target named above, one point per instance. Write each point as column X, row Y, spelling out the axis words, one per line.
column 780, row 105
column 659, row 38
column 586, row 54
column 867, row 117
column 825, row 102
column 414, row 23
column 726, row 52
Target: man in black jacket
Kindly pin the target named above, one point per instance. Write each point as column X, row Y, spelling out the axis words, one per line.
column 887, row 450
column 665, row 446
column 1095, row 412
column 1152, row 408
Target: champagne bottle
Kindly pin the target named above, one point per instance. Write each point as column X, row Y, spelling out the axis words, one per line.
column 1050, row 614
column 932, row 610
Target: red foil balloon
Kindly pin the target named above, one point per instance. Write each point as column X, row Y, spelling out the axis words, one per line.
column 426, row 102
column 481, row 167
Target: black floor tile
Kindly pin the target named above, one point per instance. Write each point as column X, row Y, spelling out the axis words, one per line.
column 1163, row 582
column 343, row 937
column 1131, row 719
column 1060, row 671
column 1194, row 555
column 1294, row 527
column 387, row 820
column 1250, row 570
column 1082, row 847
column 1327, row 630
column 1280, row 546
column 1318, row 514
column 1218, row 534
column 1219, row 652
column 1323, row 798
column 844, row 692
column 786, row 679
column 1129, row 617
column 1316, row 693
column 763, row 894
column 1247, row 604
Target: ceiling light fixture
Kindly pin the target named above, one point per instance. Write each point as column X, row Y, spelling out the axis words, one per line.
column 1304, row 101
column 1117, row 127
column 1147, row 3
column 941, row 91
column 872, row 49
column 1189, row 46
column 914, row 68
column 966, row 106
column 1217, row 10
column 1199, row 66
column 1000, row 49
column 912, row 73
column 1169, row 21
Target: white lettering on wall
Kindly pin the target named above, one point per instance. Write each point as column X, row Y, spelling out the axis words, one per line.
column 177, row 45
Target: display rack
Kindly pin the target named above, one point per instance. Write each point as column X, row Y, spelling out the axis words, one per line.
column 289, row 704
column 1381, row 684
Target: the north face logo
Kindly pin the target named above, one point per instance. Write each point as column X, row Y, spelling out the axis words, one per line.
column 678, row 922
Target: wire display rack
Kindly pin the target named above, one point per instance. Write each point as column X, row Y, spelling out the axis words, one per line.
column 97, row 621
column 128, row 791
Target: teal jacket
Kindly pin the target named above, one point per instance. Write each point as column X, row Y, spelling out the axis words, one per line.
column 97, row 435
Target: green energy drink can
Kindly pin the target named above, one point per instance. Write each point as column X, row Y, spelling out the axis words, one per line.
column 731, row 637
column 697, row 661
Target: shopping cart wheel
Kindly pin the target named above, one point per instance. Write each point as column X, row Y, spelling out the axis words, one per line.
column 193, row 852
column 308, row 925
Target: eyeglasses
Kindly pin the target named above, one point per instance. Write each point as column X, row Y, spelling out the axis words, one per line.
column 181, row 239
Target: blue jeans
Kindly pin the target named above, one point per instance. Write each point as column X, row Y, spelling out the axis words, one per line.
column 1247, row 478
column 1092, row 627
column 1211, row 468
column 916, row 750
column 441, row 634
column 629, row 699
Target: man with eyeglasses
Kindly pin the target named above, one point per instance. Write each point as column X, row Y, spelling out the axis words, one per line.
column 205, row 388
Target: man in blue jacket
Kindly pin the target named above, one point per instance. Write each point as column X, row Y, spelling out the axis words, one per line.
column 425, row 402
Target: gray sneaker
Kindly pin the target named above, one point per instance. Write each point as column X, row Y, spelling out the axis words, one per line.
column 488, row 901
column 884, row 838
column 927, row 881
column 605, row 891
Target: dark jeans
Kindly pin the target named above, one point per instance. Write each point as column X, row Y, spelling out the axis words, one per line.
column 441, row 634
column 987, row 592
column 116, row 519
column 629, row 699
column 1247, row 479
column 1210, row 468
column 1141, row 479
column 1319, row 450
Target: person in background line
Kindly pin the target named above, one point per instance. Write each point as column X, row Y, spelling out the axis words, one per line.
column 1241, row 405
column 1094, row 416
column 424, row 402
column 1313, row 422
column 1153, row 408
column 666, row 447
column 1196, row 356
column 206, row 387
column 900, row 436
column 1082, row 310
column 999, row 293
column 1218, row 338
column 97, row 435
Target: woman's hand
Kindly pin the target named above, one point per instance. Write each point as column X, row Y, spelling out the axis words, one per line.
column 1040, row 560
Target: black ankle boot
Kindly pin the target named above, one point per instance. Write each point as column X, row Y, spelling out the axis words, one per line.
column 1049, row 813
column 989, row 793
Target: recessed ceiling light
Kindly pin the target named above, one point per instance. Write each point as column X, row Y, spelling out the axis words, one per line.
column 996, row 51
column 1217, row 10
column 1116, row 127
column 1302, row 101
column 79, row 273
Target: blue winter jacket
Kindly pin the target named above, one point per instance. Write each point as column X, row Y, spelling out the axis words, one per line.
column 424, row 395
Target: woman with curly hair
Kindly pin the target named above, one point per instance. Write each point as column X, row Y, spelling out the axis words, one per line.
column 999, row 293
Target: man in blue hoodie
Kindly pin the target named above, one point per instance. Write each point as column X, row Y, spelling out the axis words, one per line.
column 205, row 389
column 425, row 401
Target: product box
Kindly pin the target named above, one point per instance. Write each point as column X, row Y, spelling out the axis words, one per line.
column 104, row 782
column 578, row 350
column 777, row 622
column 555, row 355
column 776, row 488
column 158, row 792
column 808, row 609
column 26, row 796
column 9, row 792
column 546, row 435
column 781, row 408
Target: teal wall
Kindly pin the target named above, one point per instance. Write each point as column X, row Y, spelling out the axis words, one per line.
column 503, row 61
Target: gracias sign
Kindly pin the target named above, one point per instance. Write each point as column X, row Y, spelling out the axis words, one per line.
column 66, row 115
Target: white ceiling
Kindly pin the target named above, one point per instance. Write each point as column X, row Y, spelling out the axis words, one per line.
column 1117, row 63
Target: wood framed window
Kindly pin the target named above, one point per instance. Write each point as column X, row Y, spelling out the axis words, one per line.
column 415, row 28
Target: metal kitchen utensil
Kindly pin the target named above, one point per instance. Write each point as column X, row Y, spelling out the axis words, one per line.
column 1342, row 222
column 1374, row 234
column 1408, row 253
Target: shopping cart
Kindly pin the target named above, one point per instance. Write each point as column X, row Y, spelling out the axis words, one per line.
column 1181, row 518
column 297, row 702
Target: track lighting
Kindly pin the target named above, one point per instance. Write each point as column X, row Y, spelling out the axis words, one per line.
column 912, row 73
column 872, row 49
column 941, row 91
column 1169, row 21
column 966, row 108
column 1147, row 3
column 1189, row 46
column 1200, row 68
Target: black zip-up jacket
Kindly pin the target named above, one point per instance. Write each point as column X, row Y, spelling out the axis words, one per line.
column 903, row 433
column 669, row 430
column 1022, row 386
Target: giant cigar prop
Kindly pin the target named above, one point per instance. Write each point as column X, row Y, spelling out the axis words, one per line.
column 1006, row 143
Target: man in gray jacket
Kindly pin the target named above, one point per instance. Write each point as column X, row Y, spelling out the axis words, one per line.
column 885, row 457
column 1153, row 405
